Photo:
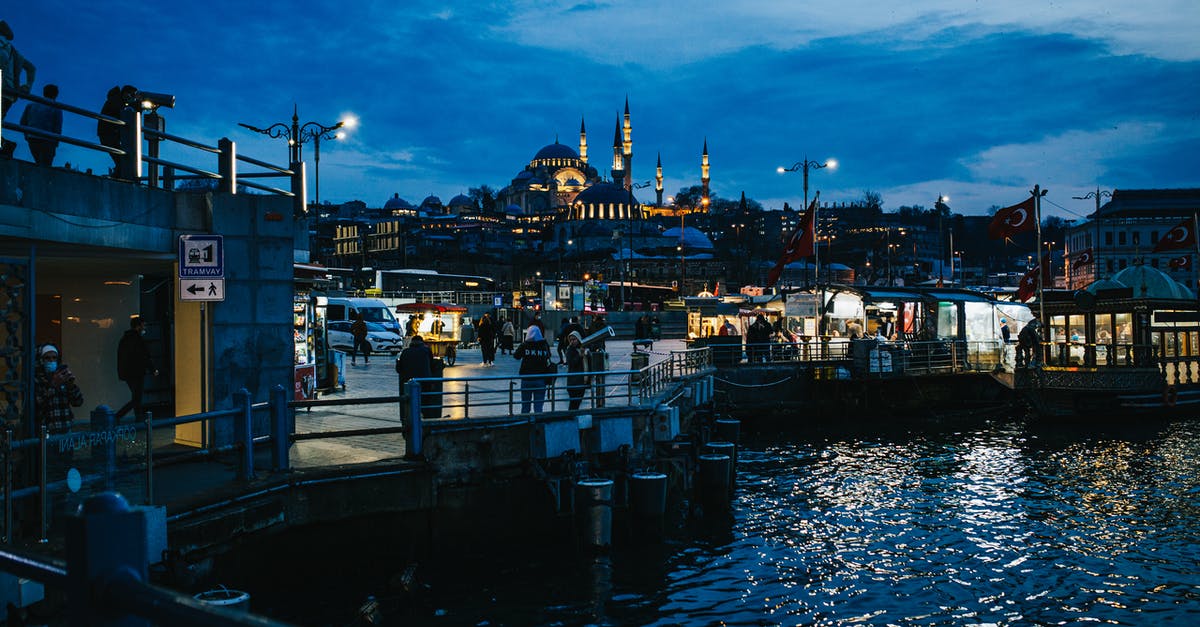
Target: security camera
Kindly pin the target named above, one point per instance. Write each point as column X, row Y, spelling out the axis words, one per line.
column 151, row 100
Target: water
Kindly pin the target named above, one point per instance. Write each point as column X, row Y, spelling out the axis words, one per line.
column 993, row 524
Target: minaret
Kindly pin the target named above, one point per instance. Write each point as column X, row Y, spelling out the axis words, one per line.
column 582, row 142
column 618, row 163
column 704, row 172
column 658, row 181
column 628, row 148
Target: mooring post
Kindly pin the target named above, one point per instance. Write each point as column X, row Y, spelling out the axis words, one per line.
column 413, row 443
column 244, row 427
column 105, row 540
column 281, row 439
column 593, row 502
column 648, row 500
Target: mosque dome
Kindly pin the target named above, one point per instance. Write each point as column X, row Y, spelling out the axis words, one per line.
column 694, row 239
column 461, row 200
column 431, row 201
column 604, row 194
column 524, row 175
column 1149, row 282
column 556, row 151
column 396, row 202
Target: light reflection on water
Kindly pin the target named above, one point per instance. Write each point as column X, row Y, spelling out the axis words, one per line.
column 995, row 524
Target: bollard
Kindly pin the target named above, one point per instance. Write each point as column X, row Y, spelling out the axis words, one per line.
column 105, row 539
column 727, row 430
column 713, row 484
column 412, row 444
column 593, row 512
column 281, row 440
column 648, row 500
column 244, row 430
column 730, row 450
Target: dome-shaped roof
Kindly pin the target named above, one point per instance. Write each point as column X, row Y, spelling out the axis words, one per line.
column 524, row 174
column 461, row 200
column 431, row 201
column 556, row 151
column 694, row 239
column 513, row 208
column 396, row 202
column 1103, row 284
column 603, row 194
column 1149, row 282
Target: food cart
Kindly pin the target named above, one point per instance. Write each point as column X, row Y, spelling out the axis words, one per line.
column 439, row 324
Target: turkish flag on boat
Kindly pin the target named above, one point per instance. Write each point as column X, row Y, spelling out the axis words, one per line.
column 1182, row 263
column 1083, row 258
column 799, row 245
column 1183, row 235
column 1012, row 220
column 1028, row 285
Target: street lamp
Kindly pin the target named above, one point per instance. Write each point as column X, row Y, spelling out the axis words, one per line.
column 828, row 239
column 297, row 135
column 805, row 165
column 961, row 272
column 1098, row 194
column 627, row 268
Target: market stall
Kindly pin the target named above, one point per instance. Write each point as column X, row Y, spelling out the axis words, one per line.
column 439, row 324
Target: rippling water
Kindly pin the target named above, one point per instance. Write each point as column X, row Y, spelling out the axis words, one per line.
column 988, row 525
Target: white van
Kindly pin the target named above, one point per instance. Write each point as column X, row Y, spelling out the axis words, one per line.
column 372, row 310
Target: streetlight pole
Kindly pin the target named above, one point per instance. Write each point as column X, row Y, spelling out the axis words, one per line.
column 627, row 268
column 804, row 166
column 297, row 135
column 1098, row 194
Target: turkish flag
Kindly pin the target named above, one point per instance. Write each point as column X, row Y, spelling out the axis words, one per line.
column 1012, row 220
column 1083, row 258
column 1182, row 263
column 1183, row 235
column 799, row 245
column 1028, row 285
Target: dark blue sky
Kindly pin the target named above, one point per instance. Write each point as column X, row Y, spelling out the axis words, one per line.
column 975, row 102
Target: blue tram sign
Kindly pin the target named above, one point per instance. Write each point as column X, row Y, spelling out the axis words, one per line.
column 201, row 256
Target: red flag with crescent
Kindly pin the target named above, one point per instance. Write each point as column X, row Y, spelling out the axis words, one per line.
column 1028, row 285
column 1012, row 220
column 1182, row 235
column 799, row 245
column 1083, row 258
column 1182, row 263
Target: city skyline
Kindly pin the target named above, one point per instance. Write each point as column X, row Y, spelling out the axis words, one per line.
column 913, row 102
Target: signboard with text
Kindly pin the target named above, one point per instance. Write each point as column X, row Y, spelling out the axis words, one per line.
column 201, row 256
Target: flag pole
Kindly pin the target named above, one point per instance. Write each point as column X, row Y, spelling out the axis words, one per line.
column 1038, row 192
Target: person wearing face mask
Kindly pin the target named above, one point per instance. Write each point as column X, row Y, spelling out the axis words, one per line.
column 133, row 363
column 56, row 392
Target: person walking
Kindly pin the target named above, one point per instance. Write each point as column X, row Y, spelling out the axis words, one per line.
column 487, row 340
column 507, row 333
column 534, row 354
column 358, row 332
column 44, row 118
column 133, row 364
column 56, row 392
column 12, row 64
column 576, row 381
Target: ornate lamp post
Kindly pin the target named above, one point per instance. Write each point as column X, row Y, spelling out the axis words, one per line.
column 1098, row 195
column 804, row 166
column 299, row 134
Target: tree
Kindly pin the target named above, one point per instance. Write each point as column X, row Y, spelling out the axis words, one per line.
column 484, row 197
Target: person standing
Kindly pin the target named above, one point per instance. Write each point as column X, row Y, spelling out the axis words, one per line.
column 358, row 333
column 561, row 339
column 487, row 340
column 534, row 354
column 507, row 333
column 56, row 392
column 108, row 133
column 133, row 364
column 12, row 64
column 758, row 336
column 416, row 362
column 44, row 118
column 576, row 381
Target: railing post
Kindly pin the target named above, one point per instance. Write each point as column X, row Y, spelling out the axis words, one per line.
column 244, row 428
column 106, row 539
column 103, row 422
column 8, row 486
column 281, row 440
column 43, row 502
column 299, row 188
column 149, row 418
column 129, row 165
column 227, row 166
column 413, row 441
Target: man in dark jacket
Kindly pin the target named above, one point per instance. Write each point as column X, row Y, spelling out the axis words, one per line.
column 133, row 362
column 416, row 362
column 757, row 338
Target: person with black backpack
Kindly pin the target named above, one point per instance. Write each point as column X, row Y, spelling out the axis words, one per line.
column 133, row 363
column 534, row 354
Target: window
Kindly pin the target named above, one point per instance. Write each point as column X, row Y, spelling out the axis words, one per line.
column 1108, row 239
column 1123, row 264
column 1154, row 263
column 1121, row 239
column 1153, row 237
column 1137, row 239
column 1108, row 264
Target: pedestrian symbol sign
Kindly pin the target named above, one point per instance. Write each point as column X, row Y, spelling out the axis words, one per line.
column 202, row 289
column 201, row 256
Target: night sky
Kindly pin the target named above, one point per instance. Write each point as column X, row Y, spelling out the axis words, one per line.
column 975, row 100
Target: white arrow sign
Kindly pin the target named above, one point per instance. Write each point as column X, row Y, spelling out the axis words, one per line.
column 202, row 289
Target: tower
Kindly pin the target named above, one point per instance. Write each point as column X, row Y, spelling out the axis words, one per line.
column 658, row 188
column 704, row 171
column 618, row 162
column 582, row 142
column 627, row 148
